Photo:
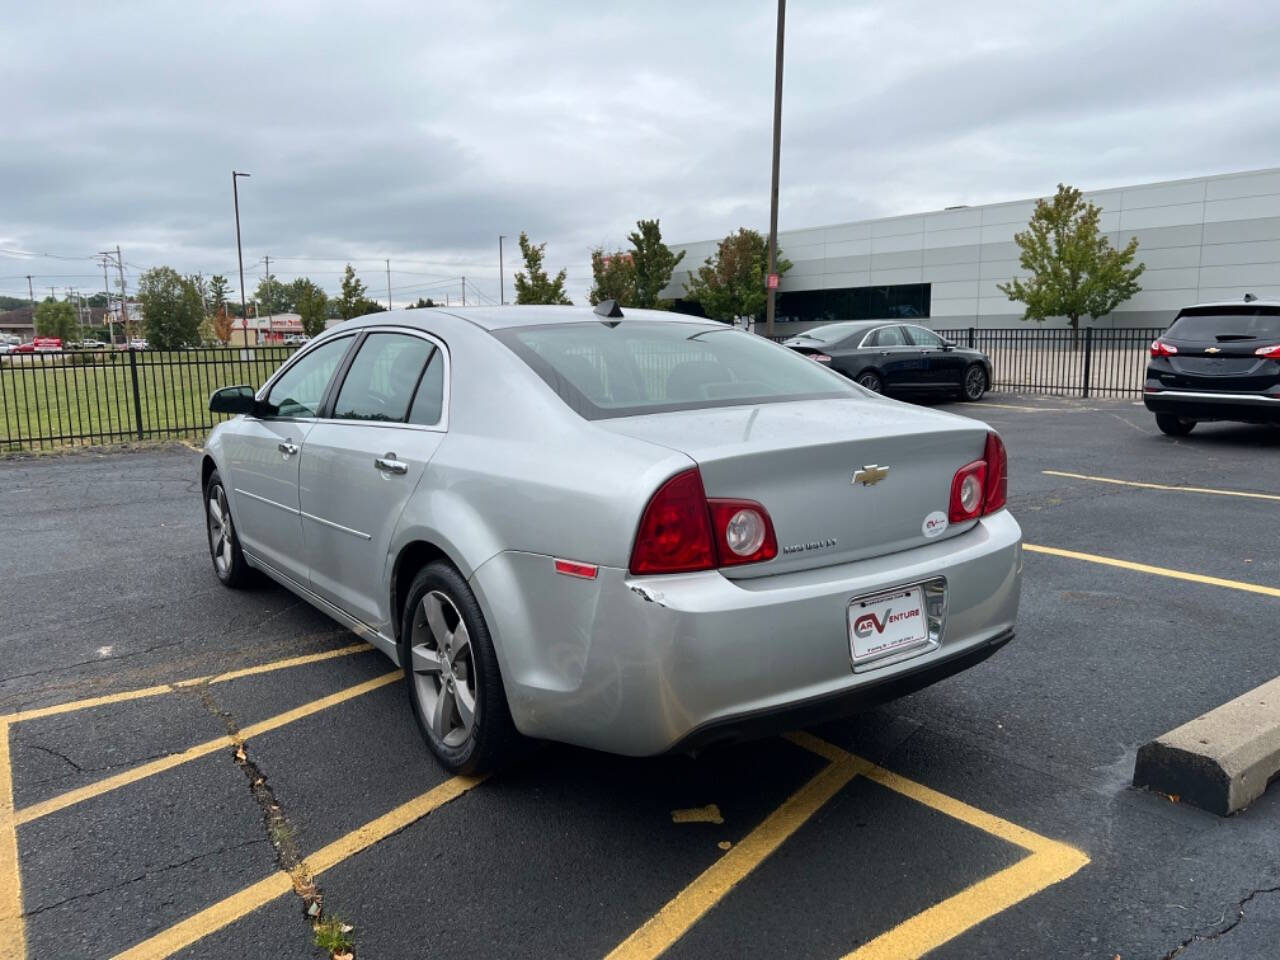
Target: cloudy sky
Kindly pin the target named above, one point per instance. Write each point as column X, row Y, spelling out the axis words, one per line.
column 420, row 131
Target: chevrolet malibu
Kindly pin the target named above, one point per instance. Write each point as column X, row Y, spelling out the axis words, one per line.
column 635, row 533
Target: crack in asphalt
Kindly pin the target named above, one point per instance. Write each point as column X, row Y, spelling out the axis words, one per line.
column 1239, row 919
column 142, row 876
column 54, row 753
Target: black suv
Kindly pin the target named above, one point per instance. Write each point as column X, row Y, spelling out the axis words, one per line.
column 1218, row 361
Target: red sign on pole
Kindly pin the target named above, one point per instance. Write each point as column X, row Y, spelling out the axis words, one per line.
column 771, row 281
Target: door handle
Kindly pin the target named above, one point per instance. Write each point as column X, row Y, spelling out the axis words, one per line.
column 389, row 464
column 287, row 447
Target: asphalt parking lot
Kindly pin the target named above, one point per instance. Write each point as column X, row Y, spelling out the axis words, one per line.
column 187, row 767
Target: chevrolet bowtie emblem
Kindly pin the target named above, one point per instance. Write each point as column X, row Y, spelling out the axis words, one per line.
column 1212, row 350
column 870, row 475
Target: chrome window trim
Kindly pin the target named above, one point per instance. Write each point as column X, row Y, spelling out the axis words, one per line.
column 337, row 526
column 442, row 425
column 288, row 364
column 915, row 326
column 273, row 503
column 872, row 332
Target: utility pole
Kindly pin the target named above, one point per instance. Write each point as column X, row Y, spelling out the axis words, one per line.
column 464, row 291
column 271, row 317
column 770, row 282
column 124, row 307
column 32, row 297
column 244, row 309
column 388, row 284
column 502, row 299
column 106, row 313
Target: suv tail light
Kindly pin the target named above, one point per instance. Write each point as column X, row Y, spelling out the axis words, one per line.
column 1272, row 353
column 682, row 531
column 981, row 487
column 1161, row 349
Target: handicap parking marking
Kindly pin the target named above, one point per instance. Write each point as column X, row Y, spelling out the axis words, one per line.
column 12, row 924
column 1266, row 591
column 1163, row 486
column 1047, row 862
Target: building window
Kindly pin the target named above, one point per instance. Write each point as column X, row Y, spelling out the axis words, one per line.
column 900, row 301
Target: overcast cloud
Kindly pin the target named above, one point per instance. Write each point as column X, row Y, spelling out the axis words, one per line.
column 420, row 133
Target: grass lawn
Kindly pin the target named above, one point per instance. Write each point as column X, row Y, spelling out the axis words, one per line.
column 49, row 400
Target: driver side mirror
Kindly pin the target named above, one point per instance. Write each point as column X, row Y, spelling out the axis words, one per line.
column 948, row 345
column 233, row 400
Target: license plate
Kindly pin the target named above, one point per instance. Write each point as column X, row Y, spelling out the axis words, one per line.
column 887, row 623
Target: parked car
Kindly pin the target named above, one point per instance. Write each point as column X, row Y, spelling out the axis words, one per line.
column 636, row 533
column 1217, row 361
column 92, row 345
column 896, row 358
column 47, row 344
column 295, row 339
column 28, row 347
column 138, row 343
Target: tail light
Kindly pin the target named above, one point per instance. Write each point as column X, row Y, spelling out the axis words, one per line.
column 819, row 358
column 1272, row 353
column 682, row 531
column 1161, row 349
column 981, row 487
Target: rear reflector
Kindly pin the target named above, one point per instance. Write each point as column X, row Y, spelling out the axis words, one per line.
column 572, row 568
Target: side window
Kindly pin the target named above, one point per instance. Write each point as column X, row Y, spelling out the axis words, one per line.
column 382, row 378
column 428, row 402
column 888, row 337
column 300, row 388
column 924, row 338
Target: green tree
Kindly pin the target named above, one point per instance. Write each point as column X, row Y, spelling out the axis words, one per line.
column 274, row 296
column 428, row 302
column 217, row 293
column 171, row 308
column 1072, row 268
column 351, row 300
column 731, row 284
column 654, row 263
column 312, row 304
column 532, row 284
column 614, row 277
column 56, row 318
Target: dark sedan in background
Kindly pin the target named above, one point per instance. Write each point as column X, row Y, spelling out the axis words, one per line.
column 1218, row 361
column 903, row 358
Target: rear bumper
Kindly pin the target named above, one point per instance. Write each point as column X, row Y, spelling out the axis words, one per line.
column 1206, row 405
column 639, row 665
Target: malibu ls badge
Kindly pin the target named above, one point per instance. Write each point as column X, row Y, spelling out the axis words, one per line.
column 870, row 475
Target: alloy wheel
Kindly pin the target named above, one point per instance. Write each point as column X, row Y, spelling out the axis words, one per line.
column 220, row 531
column 443, row 669
column 975, row 383
column 870, row 381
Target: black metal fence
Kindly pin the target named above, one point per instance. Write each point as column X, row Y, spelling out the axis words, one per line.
column 97, row 397
column 110, row 396
column 1089, row 363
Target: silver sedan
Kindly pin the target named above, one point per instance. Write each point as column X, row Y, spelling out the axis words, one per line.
column 635, row 533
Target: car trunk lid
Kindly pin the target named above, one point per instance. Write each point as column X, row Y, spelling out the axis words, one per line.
column 810, row 464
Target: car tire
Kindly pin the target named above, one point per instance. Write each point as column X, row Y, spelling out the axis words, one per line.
column 465, row 679
column 870, row 380
column 224, row 543
column 974, row 384
column 1174, row 426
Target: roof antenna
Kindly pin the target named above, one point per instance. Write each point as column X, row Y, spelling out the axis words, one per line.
column 609, row 308
column 1248, row 298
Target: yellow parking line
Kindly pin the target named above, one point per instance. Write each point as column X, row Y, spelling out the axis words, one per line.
column 194, row 928
column 1158, row 571
column 13, row 933
column 107, row 784
column 671, row 922
column 164, row 688
column 1163, row 486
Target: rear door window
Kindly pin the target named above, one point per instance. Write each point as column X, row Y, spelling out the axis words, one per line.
column 888, row 337
column 383, row 378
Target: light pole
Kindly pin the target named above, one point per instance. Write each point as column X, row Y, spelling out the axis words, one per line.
column 770, row 282
column 244, row 309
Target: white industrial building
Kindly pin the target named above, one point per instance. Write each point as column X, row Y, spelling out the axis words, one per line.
column 1207, row 238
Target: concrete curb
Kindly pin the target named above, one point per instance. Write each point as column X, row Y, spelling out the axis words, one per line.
column 1221, row 761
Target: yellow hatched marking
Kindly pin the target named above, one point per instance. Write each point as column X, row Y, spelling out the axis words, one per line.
column 107, row 784
column 1163, row 486
column 194, row 928
column 13, row 932
column 1158, row 571
column 160, row 689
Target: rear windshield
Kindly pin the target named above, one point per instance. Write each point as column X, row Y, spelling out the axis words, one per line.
column 1226, row 324
column 626, row 369
column 832, row 333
